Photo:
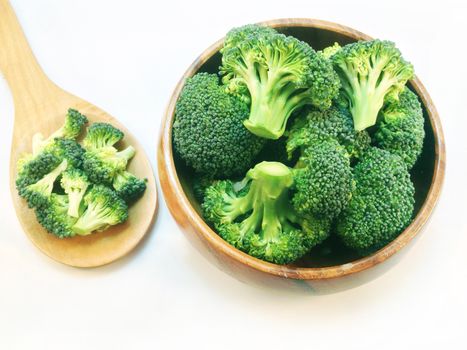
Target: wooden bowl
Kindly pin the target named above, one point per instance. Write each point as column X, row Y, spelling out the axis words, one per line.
column 332, row 267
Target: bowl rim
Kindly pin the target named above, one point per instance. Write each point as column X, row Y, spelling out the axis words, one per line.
column 174, row 188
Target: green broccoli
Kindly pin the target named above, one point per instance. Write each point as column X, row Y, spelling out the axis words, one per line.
column 101, row 135
column 336, row 122
column 102, row 165
column 208, row 133
column 37, row 194
column 382, row 203
column 128, row 186
column 255, row 215
column 75, row 183
column 74, row 122
column 329, row 51
column 277, row 75
column 322, row 179
column 54, row 216
column 371, row 72
column 103, row 208
column 400, row 130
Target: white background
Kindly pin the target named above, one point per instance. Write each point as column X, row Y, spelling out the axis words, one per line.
column 126, row 57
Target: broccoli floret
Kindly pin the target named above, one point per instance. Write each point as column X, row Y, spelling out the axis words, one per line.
column 102, row 165
column 208, row 133
column 336, row 122
column 382, row 203
column 75, row 183
column 66, row 149
column 128, row 186
column 371, row 72
column 323, row 179
column 74, row 122
column 37, row 194
column 329, row 51
column 100, row 135
column 54, row 216
column 277, row 74
column 255, row 215
column 400, row 130
column 200, row 184
column 103, row 208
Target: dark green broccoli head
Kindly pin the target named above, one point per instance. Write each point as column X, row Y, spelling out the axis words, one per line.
column 38, row 193
column 277, row 75
column 371, row 72
column 128, row 186
column 104, row 208
column 256, row 217
column 54, row 216
column 323, row 179
column 33, row 168
column 401, row 129
column 208, row 133
column 382, row 202
column 100, row 135
column 336, row 123
column 102, row 165
column 75, row 183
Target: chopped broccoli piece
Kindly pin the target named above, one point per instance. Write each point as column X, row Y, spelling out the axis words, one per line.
column 74, row 122
column 382, row 203
column 75, row 183
column 102, row 165
column 401, row 129
column 37, row 194
column 128, row 186
column 371, row 72
column 101, row 135
column 256, row 217
column 208, row 133
column 54, row 216
column 103, row 209
column 277, row 75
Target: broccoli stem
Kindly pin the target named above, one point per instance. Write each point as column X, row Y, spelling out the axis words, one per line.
column 267, row 198
column 127, row 153
column 74, row 199
column 271, row 107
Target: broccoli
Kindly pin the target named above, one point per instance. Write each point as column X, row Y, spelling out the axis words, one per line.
column 382, row 202
column 128, row 186
column 102, row 165
column 75, row 183
column 38, row 193
column 400, row 130
column 74, row 122
column 103, row 209
column 200, row 184
column 329, row 51
column 255, row 215
column 371, row 72
column 208, row 133
column 100, row 135
column 336, row 122
column 54, row 216
column 277, row 75
column 323, row 179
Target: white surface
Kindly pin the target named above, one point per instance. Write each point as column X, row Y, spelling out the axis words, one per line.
column 126, row 57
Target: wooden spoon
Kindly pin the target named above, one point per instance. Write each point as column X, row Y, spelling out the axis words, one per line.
column 40, row 106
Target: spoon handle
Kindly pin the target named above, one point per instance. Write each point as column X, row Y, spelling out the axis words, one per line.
column 27, row 81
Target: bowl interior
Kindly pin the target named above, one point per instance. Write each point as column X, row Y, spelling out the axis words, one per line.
column 331, row 252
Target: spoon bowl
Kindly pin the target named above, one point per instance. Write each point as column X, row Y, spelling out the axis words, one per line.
column 40, row 106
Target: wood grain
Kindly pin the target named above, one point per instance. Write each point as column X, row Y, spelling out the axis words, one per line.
column 40, row 106
column 245, row 267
